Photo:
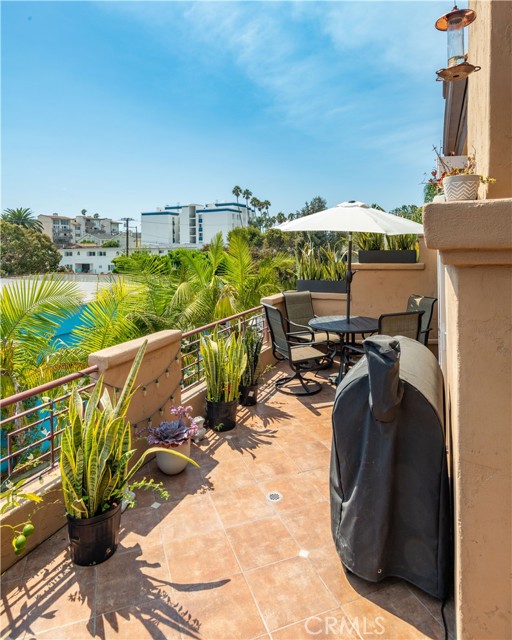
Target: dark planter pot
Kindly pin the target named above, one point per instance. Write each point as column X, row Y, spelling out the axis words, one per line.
column 248, row 395
column 405, row 256
column 322, row 286
column 94, row 540
column 221, row 416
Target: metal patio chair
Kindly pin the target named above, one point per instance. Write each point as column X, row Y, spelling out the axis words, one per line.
column 299, row 311
column 404, row 323
column 302, row 356
column 425, row 304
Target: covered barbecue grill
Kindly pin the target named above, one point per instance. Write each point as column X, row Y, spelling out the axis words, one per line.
column 390, row 506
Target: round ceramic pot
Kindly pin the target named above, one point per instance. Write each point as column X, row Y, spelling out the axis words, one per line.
column 463, row 187
column 171, row 465
column 94, row 540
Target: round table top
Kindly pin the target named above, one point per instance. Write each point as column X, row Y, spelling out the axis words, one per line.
column 339, row 324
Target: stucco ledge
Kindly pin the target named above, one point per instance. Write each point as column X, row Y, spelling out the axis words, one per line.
column 472, row 232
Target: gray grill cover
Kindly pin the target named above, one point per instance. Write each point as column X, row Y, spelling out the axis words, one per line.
column 390, row 504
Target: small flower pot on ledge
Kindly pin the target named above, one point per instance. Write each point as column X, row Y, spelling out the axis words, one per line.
column 461, row 187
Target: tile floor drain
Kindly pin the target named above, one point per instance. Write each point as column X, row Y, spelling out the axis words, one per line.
column 274, row 496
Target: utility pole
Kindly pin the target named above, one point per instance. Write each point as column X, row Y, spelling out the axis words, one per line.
column 127, row 223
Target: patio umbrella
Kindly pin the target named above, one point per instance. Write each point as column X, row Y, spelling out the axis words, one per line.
column 353, row 217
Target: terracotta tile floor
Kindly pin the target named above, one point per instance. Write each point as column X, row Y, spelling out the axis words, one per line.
column 219, row 560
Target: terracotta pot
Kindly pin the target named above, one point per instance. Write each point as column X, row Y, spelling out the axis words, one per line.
column 463, row 187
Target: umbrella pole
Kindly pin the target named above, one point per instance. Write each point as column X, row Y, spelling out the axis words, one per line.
column 349, row 274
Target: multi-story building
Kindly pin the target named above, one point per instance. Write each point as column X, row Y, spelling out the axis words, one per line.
column 65, row 231
column 192, row 225
column 89, row 258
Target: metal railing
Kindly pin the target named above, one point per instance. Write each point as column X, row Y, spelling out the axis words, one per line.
column 30, row 437
column 31, row 421
column 192, row 370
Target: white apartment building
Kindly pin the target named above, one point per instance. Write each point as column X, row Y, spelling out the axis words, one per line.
column 89, row 258
column 65, row 231
column 192, row 225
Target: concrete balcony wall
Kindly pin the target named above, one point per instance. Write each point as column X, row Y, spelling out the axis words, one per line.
column 474, row 239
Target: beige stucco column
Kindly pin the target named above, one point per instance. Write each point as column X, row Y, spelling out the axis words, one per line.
column 490, row 94
column 475, row 244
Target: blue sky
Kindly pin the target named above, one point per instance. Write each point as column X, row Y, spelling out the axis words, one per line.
column 120, row 107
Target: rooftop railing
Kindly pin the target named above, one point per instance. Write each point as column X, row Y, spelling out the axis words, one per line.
column 192, row 369
column 30, row 435
column 31, row 422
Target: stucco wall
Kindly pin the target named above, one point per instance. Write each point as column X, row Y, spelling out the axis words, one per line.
column 490, row 94
column 475, row 243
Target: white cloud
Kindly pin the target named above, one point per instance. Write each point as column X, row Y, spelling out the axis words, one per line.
column 318, row 65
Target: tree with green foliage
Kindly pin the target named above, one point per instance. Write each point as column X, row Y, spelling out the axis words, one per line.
column 31, row 311
column 25, row 251
column 409, row 211
column 111, row 243
column 22, row 216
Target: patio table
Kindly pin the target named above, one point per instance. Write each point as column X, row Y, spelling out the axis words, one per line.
column 342, row 327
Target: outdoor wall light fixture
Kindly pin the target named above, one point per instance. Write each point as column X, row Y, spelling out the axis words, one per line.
column 454, row 23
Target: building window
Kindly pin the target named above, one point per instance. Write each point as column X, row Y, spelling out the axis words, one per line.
column 91, row 253
column 102, row 253
column 68, row 253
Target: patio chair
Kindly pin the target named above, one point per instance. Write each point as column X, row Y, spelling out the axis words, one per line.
column 404, row 323
column 425, row 304
column 299, row 311
column 301, row 356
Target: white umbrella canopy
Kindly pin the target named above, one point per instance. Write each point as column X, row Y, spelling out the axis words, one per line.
column 353, row 217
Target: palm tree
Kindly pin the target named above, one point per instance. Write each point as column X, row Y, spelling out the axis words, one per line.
column 237, row 192
column 246, row 194
column 83, row 212
column 23, row 217
column 223, row 283
column 31, row 312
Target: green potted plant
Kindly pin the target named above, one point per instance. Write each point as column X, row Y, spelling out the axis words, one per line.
column 224, row 362
column 253, row 341
column 458, row 182
column 321, row 270
column 96, row 448
column 176, row 435
column 378, row 249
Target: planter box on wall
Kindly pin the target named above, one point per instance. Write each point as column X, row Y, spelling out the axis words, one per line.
column 322, row 286
column 406, row 256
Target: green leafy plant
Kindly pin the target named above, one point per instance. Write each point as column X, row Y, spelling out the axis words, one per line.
column 96, row 450
column 324, row 263
column 402, row 242
column 224, row 361
column 14, row 496
column 253, row 341
column 369, row 241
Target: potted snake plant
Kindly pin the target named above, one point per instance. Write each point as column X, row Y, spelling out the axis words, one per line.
column 224, row 362
column 253, row 341
column 96, row 448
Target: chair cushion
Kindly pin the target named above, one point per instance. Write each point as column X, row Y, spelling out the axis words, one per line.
column 318, row 336
column 301, row 354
